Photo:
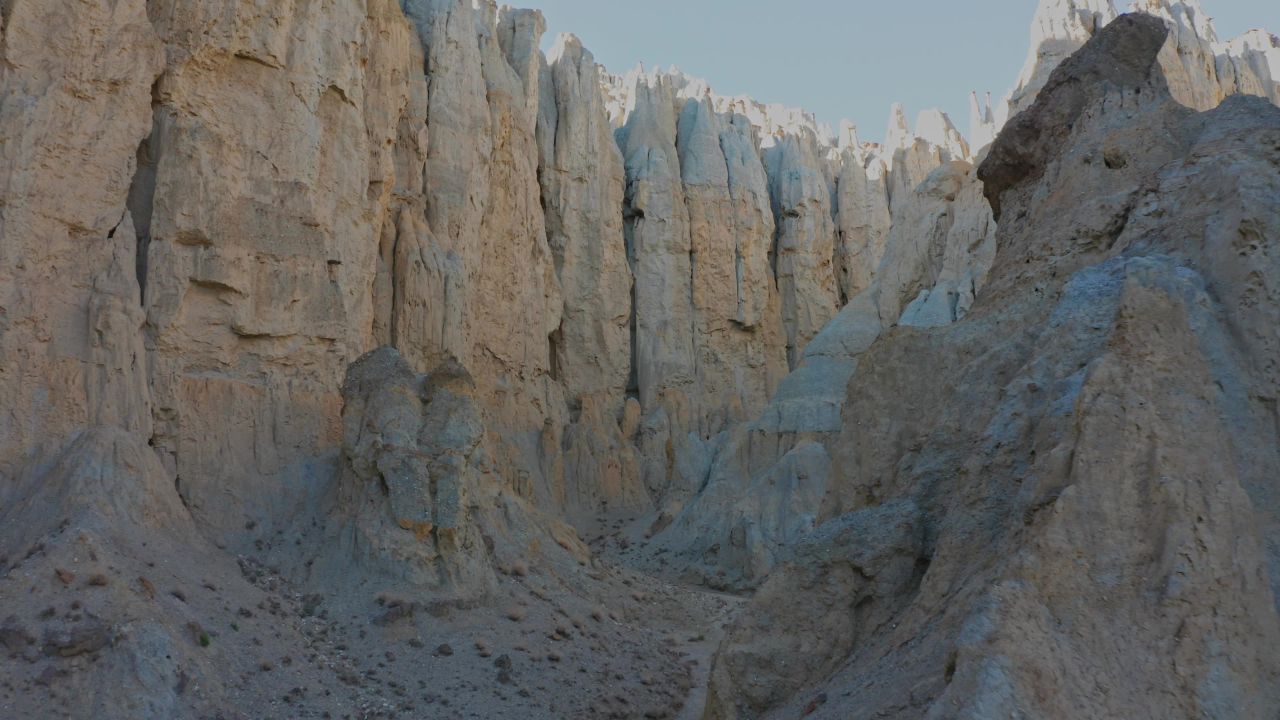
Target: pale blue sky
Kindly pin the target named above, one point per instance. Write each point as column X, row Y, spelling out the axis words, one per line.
column 836, row 58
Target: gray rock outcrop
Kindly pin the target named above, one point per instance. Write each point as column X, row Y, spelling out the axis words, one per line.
column 1102, row 454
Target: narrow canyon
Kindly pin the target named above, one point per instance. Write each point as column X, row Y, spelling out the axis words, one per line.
column 358, row 359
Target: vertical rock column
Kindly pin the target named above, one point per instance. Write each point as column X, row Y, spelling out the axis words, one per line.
column 862, row 216
column 658, row 244
column 76, row 81
column 582, row 183
column 582, row 180
column 735, row 333
column 806, row 233
column 484, row 210
column 761, row 362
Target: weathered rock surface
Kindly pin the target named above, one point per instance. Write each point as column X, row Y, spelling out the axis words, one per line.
column 381, row 302
column 582, row 184
column 1201, row 70
column 411, row 473
column 836, row 586
column 1085, row 446
column 76, row 104
column 862, row 215
column 768, row 481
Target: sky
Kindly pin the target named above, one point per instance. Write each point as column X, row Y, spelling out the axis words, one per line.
column 840, row 59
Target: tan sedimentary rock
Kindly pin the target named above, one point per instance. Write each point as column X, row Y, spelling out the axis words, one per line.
column 938, row 251
column 658, row 243
column 484, row 205
column 76, row 103
column 1251, row 65
column 736, row 326
column 211, row 210
column 273, row 170
column 1059, row 28
column 835, row 586
column 582, row 185
column 770, row 480
column 602, row 469
column 1201, row 71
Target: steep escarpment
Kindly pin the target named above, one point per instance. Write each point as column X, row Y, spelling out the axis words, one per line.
column 364, row 359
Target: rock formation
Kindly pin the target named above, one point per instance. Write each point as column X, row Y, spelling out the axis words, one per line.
column 1091, row 453
column 1201, row 70
column 768, row 481
column 332, row 333
column 581, row 177
column 410, row 474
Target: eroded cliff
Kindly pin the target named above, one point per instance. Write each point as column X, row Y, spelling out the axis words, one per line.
column 365, row 342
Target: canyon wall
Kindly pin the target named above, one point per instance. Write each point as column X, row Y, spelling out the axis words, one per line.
column 384, row 280
column 652, row 285
column 285, row 189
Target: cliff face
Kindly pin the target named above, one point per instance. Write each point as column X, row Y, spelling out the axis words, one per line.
column 401, row 313
column 427, row 180
column 1201, row 70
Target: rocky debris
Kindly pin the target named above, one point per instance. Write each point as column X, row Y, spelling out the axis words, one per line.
column 105, row 480
column 14, row 637
column 78, row 639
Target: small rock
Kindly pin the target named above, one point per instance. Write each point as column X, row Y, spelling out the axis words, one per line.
column 66, row 577
column 78, row 640
column 444, row 650
column 48, row 675
column 13, row 637
column 814, row 704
